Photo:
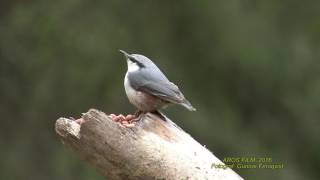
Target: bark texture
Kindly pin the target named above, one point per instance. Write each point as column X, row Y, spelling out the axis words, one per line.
column 153, row 149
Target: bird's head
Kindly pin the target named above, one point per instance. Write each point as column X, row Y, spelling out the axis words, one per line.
column 137, row 61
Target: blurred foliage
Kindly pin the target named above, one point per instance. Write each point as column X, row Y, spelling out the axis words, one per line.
column 251, row 68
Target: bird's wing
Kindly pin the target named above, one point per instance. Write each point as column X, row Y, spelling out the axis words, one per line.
column 164, row 90
column 158, row 86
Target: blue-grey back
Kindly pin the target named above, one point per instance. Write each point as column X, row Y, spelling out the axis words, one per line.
column 150, row 71
column 154, row 82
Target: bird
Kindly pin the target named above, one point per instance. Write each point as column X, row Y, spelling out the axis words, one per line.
column 147, row 88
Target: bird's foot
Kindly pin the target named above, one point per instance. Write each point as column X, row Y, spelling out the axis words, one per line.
column 117, row 118
column 126, row 121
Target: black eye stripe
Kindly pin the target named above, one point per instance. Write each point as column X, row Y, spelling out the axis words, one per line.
column 132, row 59
column 135, row 61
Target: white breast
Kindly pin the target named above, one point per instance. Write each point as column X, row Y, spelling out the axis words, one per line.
column 132, row 66
column 142, row 101
column 131, row 93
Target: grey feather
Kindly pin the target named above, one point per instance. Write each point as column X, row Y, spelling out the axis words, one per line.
column 153, row 81
column 149, row 79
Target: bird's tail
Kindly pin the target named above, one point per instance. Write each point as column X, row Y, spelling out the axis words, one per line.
column 185, row 103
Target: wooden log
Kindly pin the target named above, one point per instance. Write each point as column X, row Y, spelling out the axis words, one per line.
column 155, row 148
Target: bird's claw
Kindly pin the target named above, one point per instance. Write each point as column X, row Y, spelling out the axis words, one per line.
column 117, row 118
column 125, row 121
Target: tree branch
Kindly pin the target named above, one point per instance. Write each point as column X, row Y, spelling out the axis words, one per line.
column 152, row 149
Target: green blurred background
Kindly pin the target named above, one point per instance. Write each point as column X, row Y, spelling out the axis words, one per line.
column 251, row 68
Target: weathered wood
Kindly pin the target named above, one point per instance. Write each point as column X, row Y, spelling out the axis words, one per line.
column 152, row 149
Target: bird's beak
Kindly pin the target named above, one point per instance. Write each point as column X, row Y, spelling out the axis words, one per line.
column 125, row 53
